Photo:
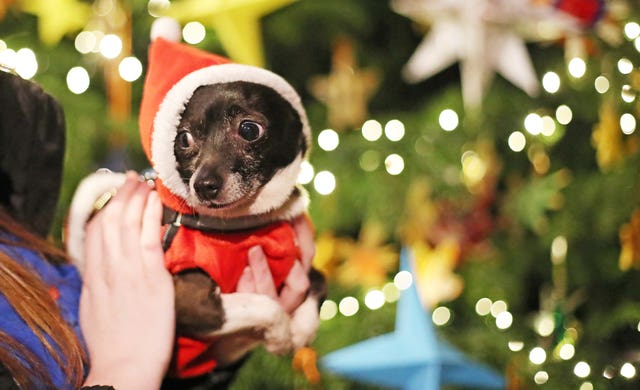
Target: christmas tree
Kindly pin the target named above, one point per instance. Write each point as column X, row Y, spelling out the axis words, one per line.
column 494, row 141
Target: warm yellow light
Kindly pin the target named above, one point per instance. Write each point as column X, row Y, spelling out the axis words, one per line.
column 193, row 32
column 515, row 346
column 628, row 123
column 448, row 120
column 130, row 69
column 78, row 80
column 328, row 310
column 110, row 46
column 541, row 377
column 551, row 82
column 582, row 369
column 156, row 8
column 559, row 249
column 517, row 141
column 306, row 173
column 441, row 315
column 602, row 84
column 394, row 163
column 403, row 280
column 374, row 299
column 548, row 126
column 370, row 160
column 8, row 58
column 394, row 130
column 324, row 183
column 504, row 320
column 483, row 306
column 537, row 356
column 632, row 30
column 544, row 324
column 391, row 292
column 567, row 351
column 348, row 306
column 328, row 140
column 628, row 370
column 577, row 67
column 372, row 130
column 473, row 167
column 86, row 42
column 26, row 63
column 533, row 123
column 564, row 115
column 627, row 94
column 625, row 66
column 498, row 307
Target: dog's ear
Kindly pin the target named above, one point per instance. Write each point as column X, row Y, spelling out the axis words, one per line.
column 32, row 141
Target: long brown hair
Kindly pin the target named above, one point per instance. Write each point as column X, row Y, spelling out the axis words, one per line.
column 30, row 298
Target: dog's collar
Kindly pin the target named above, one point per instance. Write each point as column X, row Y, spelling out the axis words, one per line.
column 210, row 223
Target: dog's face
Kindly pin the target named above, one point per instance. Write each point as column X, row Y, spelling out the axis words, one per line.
column 232, row 139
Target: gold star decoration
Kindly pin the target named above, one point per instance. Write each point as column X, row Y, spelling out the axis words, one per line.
column 434, row 266
column 367, row 262
column 237, row 23
column 56, row 18
column 346, row 90
column 630, row 243
column 607, row 137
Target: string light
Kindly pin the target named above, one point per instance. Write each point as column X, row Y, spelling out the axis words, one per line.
column 328, row 310
column 374, row 299
column 537, row 356
column 628, row 370
column 394, row 130
column 441, row 315
column 394, row 164
column 110, row 46
column 559, row 249
column 551, row 82
column 577, row 67
column 533, row 123
column 548, row 126
column 498, row 307
column 541, row 377
column 627, row 94
column 403, row 280
column 448, row 120
column 324, row 183
column 306, row 173
column 391, row 292
column 544, row 324
column 86, row 42
column 517, row 141
column 26, row 63
column 348, row 306
column 627, row 123
column 504, row 320
column 483, row 307
column 625, row 66
column 632, row 30
column 564, row 115
column 193, row 32
column 567, row 351
column 601, row 84
column 515, row 346
column 586, row 386
column 372, row 130
column 78, row 80
column 130, row 69
column 582, row 369
column 328, row 140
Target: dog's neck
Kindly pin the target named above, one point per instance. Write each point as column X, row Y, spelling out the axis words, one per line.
column 217, row 221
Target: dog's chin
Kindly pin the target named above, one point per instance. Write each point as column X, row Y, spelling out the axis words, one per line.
column 222, row 208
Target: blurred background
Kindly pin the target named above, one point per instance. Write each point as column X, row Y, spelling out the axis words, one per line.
column 494, row 139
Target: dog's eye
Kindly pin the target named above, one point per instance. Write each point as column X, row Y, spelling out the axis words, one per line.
column 185, row 139
column 250, row 130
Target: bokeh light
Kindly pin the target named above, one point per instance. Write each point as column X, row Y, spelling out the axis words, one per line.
column 577, row 67
column 374, row 299
column 625, row 66
column 541, row 377
column 403, row 280
column 601, row 84
column 130, row 69
column 537, row 355
column 483, row 306
column 348, row 306
column 394, row 130
column 78, row 80
column 328, row 310
column 441, row 315
column 582, row 369
column 448, row 120
column 567, row 351
column 324, row 183
column 517, row 141
column 394, row 163
column 533, row 123
column 551, row 82
column 193, row 32
column 110, row 46
column 628, row 123
column 564, row 115
column 306, row 173
column 26, row 63
column 372, row 130
column 328, row 140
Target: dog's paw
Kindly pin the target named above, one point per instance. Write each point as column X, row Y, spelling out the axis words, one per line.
column 277, row 335
column 304, row 323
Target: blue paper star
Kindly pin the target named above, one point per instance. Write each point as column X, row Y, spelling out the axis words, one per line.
column 412, row 357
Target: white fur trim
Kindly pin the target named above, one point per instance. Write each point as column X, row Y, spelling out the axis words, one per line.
column 88, row 191
column 167, row 119
column 167, row 28
column 272, row 195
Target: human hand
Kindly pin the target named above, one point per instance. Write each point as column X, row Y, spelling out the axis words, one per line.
column 256, row 277
column 127, row 300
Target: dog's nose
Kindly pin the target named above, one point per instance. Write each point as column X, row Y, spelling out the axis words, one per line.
column 208, row 188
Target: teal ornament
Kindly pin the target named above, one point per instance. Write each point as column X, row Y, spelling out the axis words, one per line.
column 412, row 357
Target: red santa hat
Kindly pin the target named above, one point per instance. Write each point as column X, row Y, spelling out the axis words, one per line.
column 174, row 72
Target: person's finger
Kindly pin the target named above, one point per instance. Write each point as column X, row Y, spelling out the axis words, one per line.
column 150, row 234
column 261, row 273
column 93, row 268
column 246, row 284
column 111, row 217
column 295, row 288
column 132, row 223
column 305, row 236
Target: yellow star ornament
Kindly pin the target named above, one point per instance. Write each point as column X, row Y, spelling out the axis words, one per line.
column 237, row 23
column 56, row 18
column 435, row 279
